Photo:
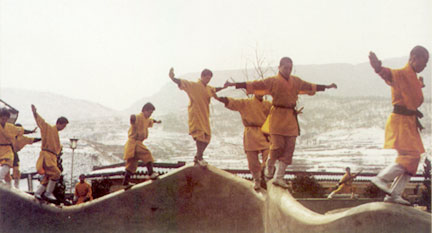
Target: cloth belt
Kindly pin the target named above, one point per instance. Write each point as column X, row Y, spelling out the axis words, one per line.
column 295, row 112
column 8, row 144
column 49, row 151
column 402, row 110
column 253, row 126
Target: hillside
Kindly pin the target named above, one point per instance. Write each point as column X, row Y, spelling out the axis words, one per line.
column 352, row 80
column 51, row 106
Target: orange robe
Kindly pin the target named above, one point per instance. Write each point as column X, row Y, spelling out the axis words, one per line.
column 198, row 109
column 18, row 144
column 51, row 147
column 8, row 134
column 253, row 113
column 21, row 142
column 401, row 132
column 347, row 186
column 282, row 119
column 137, row 133
column 83, row 191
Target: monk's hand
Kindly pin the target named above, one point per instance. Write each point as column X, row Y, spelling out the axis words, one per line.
column 421, row 81
column 228, row 84
column 171, row 73
column 33, row 109
column 375, row 62
column 132, row 119
column 333, row 85
column 34, row 130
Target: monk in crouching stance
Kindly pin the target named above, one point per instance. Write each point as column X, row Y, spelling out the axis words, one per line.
column 135, row 150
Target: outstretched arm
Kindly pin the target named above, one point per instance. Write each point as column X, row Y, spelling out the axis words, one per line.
column 222, row 99
column 30, row 131
column 220, row 88
column 172, row 76
column 36, row 140
column 376, row 64
column 323, row 87
column 236, row 85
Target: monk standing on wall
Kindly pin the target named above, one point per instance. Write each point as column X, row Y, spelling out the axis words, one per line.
column 135, row 150
column 402, row 127
column 253, row 112
column 47, row 162
column 199, row 94
column 282, row 121
column 8, row 133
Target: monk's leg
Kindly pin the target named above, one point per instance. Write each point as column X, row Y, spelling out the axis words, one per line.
column 276, row 151
column 254, row 168
column 201, row 146
column 284, row 161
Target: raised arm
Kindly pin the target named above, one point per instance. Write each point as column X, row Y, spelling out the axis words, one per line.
column 376, row 64
column 39, row 120
column 172, row 76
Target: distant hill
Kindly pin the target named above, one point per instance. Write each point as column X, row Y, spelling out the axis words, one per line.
column 51, row 106
column 352, row 80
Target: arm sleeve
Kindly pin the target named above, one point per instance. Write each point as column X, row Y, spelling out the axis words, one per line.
column 386, row 74
column 259, row 87
column 212, row 91
column 184, row 85
column 235, row 104
column 41, row 123
column 307, row 88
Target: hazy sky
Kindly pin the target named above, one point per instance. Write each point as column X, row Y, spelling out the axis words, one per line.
column 115, row 52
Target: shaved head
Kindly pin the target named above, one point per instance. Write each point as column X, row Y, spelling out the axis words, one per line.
column 420, row 51
column 285, row 60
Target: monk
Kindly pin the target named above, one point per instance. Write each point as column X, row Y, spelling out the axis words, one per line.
column 199, row 94
column 253, row 112
column 282, row 122
column 345, row 184
column 8, row 133
column 83, row 191
column 135, row 150
column 47, row 162
column 403, row 126
column 19, row 143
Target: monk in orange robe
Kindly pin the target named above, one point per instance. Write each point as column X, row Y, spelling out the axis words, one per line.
column 253, row 112
column 83, row 191
column 8, row 133
column 345, row 184
column 134, row 149
column 282, row 121
column 402, row 127
column 47, row 162
column 199, row 94
column 19, row 143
